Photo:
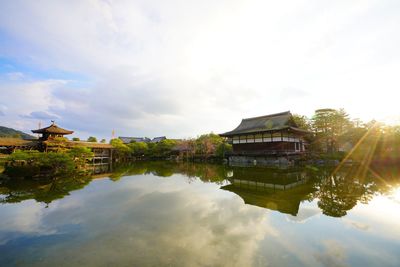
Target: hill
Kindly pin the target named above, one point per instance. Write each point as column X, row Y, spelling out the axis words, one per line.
column 9, row 132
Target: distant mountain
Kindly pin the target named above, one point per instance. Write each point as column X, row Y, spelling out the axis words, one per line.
column 9, row 132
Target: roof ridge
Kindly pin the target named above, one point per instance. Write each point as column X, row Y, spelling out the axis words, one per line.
column 52, row 127
column 270, row 115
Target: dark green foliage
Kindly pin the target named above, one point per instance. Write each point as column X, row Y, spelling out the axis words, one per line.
column 34, row 163
column 31, row 163
column 80, row 155
column 122, row 149
column 76, row 139
column 44, row 190
column 302, row 122
column 138, row 149
column 222, row 149
column 330, row 126
column 92, row 139
column 163, row 148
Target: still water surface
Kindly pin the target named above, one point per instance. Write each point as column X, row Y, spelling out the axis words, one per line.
column 162, row 214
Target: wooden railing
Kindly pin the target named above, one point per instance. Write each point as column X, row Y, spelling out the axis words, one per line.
column 266, row 153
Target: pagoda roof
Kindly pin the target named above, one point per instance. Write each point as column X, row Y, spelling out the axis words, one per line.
column 266, row 123
column 52, row 129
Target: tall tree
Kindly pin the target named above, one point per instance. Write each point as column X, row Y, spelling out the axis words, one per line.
column 329, row 126
column 302, row 122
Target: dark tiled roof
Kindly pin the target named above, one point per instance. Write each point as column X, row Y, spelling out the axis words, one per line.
column 273, row 122
column 52, row 129
column 158, row 139
column 127, row 140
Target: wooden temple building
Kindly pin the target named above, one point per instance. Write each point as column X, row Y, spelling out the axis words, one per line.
column 51, row 132
column 51, row 139
column 269, row 136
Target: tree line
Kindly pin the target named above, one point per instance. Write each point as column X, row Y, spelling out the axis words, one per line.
column 335, row 133
column 203, row 147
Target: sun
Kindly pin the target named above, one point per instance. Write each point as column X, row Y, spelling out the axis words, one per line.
column 392, row 120
column 396, row 194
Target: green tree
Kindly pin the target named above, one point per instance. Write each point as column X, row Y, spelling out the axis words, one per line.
column 164, row 148
column 103, row 141
column 329, row 126
column 122, row 149
column 138, row 148
column 76, row 139
column 222, row 149
column 206, row 144
column 302, row 122
column 31, row 163
column 80, row 155
column 92, row 139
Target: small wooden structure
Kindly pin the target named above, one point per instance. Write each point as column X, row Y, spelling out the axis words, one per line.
column 51, row 132
column 275, row 134
column 51, row 139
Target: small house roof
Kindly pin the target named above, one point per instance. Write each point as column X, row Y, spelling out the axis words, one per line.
column 52, row 129
column 272, row 122
column 127, row 140
column 158, row 139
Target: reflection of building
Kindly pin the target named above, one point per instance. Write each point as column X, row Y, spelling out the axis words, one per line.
column 282, row 194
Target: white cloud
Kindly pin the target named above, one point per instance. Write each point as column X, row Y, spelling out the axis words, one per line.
column 186, row 67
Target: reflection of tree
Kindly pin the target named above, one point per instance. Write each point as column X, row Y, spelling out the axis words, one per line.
column 340, row 192
column 336, row 193
column 193, row 171
column 45, row 190
column 334, row 197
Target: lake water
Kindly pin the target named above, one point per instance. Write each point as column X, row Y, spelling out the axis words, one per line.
column 163, row 214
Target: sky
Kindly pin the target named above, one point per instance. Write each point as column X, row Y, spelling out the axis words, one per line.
column 181, row 68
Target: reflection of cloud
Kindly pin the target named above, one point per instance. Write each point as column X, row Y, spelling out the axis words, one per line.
column 22, row 221
column 333, row 255
column 358, row 225
column 177, row 227
column 381, row 210
column 131, row 223
column 304, row 214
